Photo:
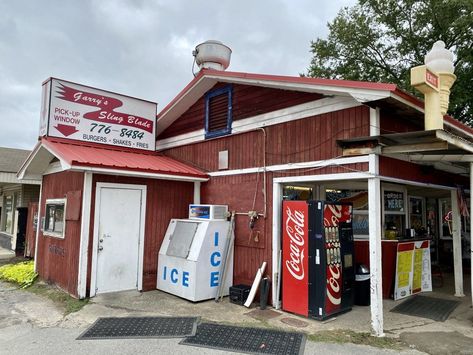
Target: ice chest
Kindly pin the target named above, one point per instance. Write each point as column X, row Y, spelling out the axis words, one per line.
column 239, row 294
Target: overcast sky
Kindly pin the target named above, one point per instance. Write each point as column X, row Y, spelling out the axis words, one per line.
column 142, row 48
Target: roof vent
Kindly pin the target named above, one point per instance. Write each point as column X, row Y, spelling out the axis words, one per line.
column 212, row 55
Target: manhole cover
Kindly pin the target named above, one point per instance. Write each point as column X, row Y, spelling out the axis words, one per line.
column 263, row 314
column 294, row 322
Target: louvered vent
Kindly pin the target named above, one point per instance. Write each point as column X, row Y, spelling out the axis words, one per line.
column 218, row 112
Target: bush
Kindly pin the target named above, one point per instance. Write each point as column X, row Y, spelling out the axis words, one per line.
column 22, row 273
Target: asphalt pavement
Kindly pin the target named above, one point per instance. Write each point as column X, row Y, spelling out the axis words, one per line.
column 32, row 324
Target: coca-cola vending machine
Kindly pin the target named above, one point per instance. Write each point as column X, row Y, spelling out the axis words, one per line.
column 317, row 258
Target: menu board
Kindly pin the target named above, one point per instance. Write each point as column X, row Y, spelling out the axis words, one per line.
column 404, row 270
column 413, row 274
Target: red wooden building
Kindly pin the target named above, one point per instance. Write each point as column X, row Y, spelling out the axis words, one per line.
column 249, row 141
column 265, row 138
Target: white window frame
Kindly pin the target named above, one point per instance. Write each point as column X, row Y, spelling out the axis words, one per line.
column 55, row 201
column 3, row 217
column 405, row 213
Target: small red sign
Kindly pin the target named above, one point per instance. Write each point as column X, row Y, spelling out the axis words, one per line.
column 334, row 214
column 431, row 78
column 295, row 245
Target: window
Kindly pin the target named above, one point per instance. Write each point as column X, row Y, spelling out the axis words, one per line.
column 9, row 206
column 218, row 112
column 54, row 218
column 359, row 199
column 394, row 209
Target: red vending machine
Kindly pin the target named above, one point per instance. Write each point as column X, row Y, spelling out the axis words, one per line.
column 317, row 258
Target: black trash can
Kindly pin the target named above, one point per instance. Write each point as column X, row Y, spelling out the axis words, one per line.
column 263, row 293
column 362, row 285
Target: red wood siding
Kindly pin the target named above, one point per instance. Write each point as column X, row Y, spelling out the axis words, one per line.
column 253, row 246
column 164, row 200
column 248, row 101
column 420, row 173
column 58, row 259
column 391, row 123
column 308, row 139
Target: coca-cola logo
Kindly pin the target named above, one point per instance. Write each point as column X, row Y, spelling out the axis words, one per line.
column 334, row 214
column 333, row 285
column 295, row 233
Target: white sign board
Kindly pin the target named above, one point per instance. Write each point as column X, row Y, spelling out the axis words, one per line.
column 413, row 273
column 82, row 113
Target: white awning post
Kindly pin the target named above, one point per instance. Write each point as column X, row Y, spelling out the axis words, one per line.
column 374, row 198
column 471, row 229
column 457, row 245
column 196, row 192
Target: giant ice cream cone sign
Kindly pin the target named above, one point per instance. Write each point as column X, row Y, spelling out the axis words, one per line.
column 434, row 80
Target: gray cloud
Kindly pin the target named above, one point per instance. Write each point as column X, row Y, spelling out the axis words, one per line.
column 141, row 48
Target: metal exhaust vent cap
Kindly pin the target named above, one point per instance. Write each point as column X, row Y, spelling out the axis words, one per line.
column 212, row 55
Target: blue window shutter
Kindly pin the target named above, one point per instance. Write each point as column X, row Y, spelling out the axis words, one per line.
column 218, row 112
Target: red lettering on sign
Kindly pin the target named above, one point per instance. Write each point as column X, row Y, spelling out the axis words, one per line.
column 431, row 78
column 106, row 106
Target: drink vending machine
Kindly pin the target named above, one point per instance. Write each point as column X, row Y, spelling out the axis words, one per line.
column 317, row 258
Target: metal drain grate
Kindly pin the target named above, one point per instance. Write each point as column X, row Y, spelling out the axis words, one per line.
column 247, row 340
column 141, row 327
column 427, row 307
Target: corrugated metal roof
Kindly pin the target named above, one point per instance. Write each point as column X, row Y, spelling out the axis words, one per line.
column 84, row 156
column 11, row 159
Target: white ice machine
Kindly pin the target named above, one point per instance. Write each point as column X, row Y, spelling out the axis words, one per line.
column 191, row 258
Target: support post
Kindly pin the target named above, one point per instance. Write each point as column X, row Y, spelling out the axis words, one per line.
column 374, row 198
column 457, row 245
column 277, row 198
column 196, row 192
column 84, row 236
column 39, row 226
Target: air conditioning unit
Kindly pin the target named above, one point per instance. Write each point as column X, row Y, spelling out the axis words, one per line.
column 208, row 212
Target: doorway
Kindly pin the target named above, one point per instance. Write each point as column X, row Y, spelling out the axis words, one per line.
column 117, row 261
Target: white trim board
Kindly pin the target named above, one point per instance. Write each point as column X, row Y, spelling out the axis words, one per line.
column 93, row 275
column 106, row 171
column 301, row 165
column 308, row 109
column 84, row 235
column 322, row 177
column 366, row 94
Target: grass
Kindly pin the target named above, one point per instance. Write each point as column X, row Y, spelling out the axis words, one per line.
column 21, row 273
column 339, row 336
column 60, row 298
column 349, row 336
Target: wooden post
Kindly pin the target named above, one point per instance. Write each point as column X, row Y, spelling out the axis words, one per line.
column 457, row 245
column 374, row 198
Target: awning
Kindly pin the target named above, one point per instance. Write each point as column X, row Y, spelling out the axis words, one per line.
column 442, row 149
column 53, row 156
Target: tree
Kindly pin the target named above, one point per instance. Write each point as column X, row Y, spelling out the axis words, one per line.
column 380, row 40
